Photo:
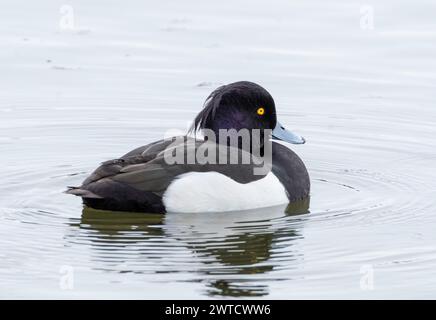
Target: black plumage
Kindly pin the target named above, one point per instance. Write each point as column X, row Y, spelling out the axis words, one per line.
column 138, row 180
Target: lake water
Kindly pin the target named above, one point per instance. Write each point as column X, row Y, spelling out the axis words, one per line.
column 83, row 86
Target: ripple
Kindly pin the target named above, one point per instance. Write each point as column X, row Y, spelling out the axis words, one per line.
column 371, row 183
column 236, row 254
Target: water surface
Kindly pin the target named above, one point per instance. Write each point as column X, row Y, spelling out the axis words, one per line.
column 364, row 99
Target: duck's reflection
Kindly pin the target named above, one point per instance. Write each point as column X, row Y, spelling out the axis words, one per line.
column 226, row 251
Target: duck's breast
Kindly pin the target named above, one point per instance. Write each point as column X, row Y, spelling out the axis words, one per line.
column 215, row 192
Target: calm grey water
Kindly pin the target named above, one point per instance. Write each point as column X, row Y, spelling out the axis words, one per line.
column 361, row 92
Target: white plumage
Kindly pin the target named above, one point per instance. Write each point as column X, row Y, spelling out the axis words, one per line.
column 215, row 192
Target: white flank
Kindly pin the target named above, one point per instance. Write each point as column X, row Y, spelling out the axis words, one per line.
column 215, row 192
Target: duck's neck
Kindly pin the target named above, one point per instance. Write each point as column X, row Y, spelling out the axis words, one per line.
column 252, row 141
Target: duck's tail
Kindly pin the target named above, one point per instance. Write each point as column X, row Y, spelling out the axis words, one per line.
column 79, row 191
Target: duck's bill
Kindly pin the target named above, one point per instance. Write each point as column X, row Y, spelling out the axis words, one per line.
column 280, row 133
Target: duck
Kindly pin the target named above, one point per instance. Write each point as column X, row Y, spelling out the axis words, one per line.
column 149, row 179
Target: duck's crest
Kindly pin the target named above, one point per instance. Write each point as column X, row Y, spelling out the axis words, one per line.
column 210, row 106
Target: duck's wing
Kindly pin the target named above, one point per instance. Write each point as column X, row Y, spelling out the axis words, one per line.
column 151, row 149
column 99, row 184
column 145, row 173
column 157, row 174
column 141, row 155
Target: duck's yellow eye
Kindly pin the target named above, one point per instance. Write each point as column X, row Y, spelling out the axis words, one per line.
column 261, row 111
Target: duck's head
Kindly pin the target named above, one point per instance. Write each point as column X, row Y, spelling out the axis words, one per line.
column 242, row 105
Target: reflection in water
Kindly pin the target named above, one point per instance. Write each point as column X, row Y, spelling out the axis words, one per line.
column 228, row 252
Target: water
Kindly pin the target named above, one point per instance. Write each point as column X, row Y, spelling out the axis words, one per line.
column 363, row 98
